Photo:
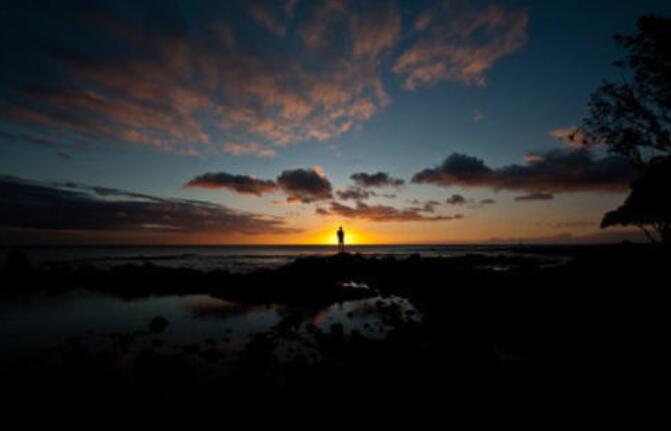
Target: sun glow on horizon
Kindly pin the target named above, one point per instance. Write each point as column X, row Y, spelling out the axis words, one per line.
column 329, row 237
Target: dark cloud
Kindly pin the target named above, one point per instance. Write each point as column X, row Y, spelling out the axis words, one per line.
column 382, row 213
column 456, row 200
column 379, row 179
column 557, row 171
column 456, row 169
column 31, row 138
column 487, row 201
column 535, row 197
column 107, row 191
column 300, row 185
column 243, row 184
column 354, row 193
column 70, row 206
column 305, row 185
column 424, row 206
column 63, row 155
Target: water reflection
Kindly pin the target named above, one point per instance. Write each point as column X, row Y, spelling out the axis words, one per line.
column 81, row 326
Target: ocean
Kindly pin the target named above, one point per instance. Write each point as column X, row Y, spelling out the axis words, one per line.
column 239, row 258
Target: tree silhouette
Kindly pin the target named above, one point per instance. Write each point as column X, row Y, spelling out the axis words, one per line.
column 633, row 118
column 648, row 205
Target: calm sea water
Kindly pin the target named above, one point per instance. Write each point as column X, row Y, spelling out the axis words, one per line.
column 238, row 258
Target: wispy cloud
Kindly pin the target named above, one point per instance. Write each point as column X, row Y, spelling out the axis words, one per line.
column 267, row 17
column 207, row 86
column 196, row 89
column 70, row 206
column 249, row 148
column 242, row 184
column 459, row 43
column 382, row 213
column 573, row 137
column 535, row 197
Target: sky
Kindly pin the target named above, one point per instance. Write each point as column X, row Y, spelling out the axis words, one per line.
column 275, row 122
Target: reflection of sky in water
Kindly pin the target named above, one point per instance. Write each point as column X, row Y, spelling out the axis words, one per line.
column 41, row 322
column 363, row 315
column 35, row 324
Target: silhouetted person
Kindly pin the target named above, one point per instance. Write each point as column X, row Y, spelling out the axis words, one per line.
column 341, row 240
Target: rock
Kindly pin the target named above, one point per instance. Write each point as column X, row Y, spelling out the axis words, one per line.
column 158, row 324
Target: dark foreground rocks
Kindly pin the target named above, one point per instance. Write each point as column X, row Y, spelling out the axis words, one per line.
column 506, row 329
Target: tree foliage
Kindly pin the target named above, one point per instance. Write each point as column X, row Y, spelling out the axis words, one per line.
column 633, row 117
column 648, row 205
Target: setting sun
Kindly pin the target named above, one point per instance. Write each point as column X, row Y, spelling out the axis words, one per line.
column 329, row 237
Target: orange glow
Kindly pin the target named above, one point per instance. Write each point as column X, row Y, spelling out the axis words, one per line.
column 328, row 236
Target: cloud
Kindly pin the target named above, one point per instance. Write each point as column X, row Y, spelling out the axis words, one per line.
column 39, row 140
column 478, row 116
column 63, row 155
column 456, row 200
column 379, row 179
column 424, row 206
column 381, row 213
column 289, row 7
column 375, row 29
column 267, row 18
column 457, row 169
column 531, row 158
column 249, row 148
column 242, row 184
column 557, row 171
column 207, row 86
column 460, row 43
column 305, row 185
column 318, row 30
column 535, row 197
column 29, row 204
column 54, row 143
column 300, row 185
column 573, row 137
column 487, row 201
column 354, row 193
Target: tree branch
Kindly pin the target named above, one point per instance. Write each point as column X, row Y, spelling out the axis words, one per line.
column 647, row 233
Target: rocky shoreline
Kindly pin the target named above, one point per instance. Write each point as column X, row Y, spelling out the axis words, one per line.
column 479, row 323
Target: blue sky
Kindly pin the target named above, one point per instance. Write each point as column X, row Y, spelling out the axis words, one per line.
column 257, row 89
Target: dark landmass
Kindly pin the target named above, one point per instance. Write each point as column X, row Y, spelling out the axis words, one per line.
column 506, row 329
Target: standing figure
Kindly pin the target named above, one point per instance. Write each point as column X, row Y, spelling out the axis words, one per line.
column 341, row 240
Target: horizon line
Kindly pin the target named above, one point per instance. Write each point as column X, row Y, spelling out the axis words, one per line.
column 509, row 243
